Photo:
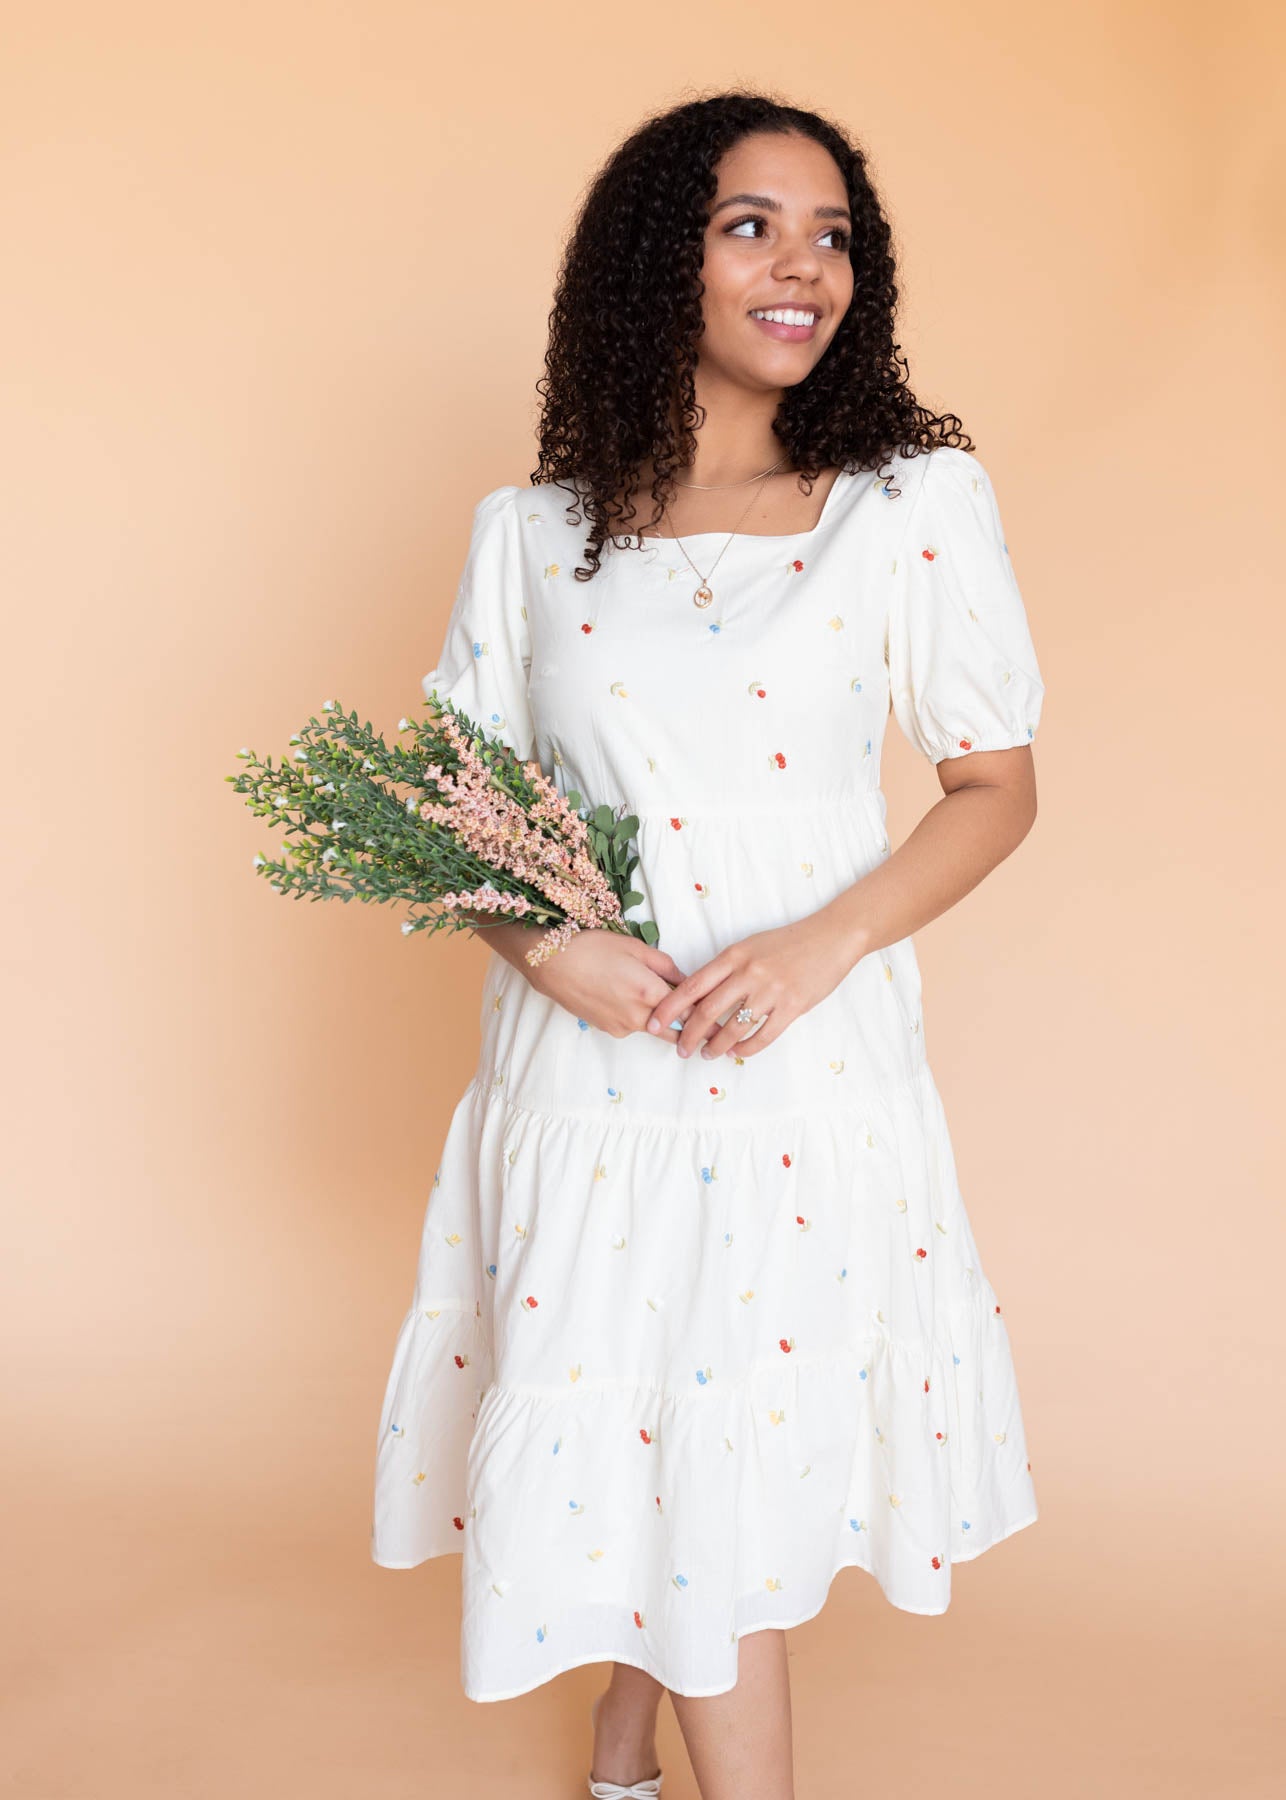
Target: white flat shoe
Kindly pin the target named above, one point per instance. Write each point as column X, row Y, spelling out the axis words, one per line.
column 611, row 1790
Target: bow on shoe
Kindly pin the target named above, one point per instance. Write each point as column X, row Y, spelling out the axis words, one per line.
column 639, row 1790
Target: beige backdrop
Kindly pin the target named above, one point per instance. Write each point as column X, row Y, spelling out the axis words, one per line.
column 277, row 279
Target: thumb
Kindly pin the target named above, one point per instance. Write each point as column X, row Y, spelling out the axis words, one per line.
column 662, row 965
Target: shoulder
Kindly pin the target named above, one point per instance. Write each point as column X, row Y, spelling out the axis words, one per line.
column 943, row 469
column 943, row 486
column 545, row 503
column 495, row 504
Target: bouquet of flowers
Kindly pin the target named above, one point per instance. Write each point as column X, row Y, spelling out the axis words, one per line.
column 451, row 822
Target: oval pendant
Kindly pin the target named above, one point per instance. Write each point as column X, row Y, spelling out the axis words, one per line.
column 702, row 597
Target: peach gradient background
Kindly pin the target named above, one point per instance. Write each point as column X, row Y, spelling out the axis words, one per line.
column 274, row 309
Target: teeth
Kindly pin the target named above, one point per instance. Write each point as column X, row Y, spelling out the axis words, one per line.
column 785, row 316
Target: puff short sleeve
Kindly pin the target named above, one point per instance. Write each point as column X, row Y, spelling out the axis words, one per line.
column 963, row 674
column 486, row 650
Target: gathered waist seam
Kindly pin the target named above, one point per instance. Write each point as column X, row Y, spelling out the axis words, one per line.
column 758, row 1120
column 682, row 809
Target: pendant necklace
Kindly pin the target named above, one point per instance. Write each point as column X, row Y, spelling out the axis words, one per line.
column 704, row 594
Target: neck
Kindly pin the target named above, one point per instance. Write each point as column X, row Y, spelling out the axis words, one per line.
column 735, row 440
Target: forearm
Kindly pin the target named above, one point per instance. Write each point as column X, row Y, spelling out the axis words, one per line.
column 511, row 939
column 956, row 843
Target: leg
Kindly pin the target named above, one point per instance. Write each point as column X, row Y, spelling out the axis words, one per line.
column 739, row 1743
column 624, row 1716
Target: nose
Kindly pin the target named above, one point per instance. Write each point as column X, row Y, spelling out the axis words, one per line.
column 798, row 257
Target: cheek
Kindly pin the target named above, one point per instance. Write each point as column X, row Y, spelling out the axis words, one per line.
column 727, row 282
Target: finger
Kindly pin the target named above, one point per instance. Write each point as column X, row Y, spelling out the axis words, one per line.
column 652, row 997
column 726, row 1038
column 660, row 963
column 704, row 1024
column 730, row 999
column 685, row 995
column 669, row 1034
column 763, row 1035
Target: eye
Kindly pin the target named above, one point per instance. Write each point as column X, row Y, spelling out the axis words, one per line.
column 844, row 237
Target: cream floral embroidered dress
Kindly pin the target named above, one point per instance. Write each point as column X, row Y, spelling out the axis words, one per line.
column 687, row 1336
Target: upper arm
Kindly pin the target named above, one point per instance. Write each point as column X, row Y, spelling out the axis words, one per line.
column 964, row 682
column 485, row 655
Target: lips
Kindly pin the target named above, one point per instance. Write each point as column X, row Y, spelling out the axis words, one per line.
column 786, row 333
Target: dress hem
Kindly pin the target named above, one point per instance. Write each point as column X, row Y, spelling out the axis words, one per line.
column 706, row 1693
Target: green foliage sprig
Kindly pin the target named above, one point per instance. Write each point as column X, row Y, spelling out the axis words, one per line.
column 350, row 805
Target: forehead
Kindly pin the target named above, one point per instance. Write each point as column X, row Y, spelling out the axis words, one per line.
column 773, row 166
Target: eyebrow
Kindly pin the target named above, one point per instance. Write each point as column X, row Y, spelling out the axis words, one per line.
column 768, row 204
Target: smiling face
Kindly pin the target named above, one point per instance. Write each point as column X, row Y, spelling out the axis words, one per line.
column 777, row 238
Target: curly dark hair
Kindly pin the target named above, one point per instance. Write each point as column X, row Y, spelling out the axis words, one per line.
column 627, row 318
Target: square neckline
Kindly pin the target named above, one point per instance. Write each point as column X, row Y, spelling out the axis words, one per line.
column 766, row 537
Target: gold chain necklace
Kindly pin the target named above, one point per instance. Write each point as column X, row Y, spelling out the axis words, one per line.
column 704, row 594
column 711, row 487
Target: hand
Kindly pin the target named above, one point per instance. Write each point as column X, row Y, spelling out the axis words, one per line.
column 604, row 977
column 783, row 972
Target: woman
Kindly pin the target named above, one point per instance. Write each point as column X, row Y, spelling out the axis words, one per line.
column 693, row 1332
